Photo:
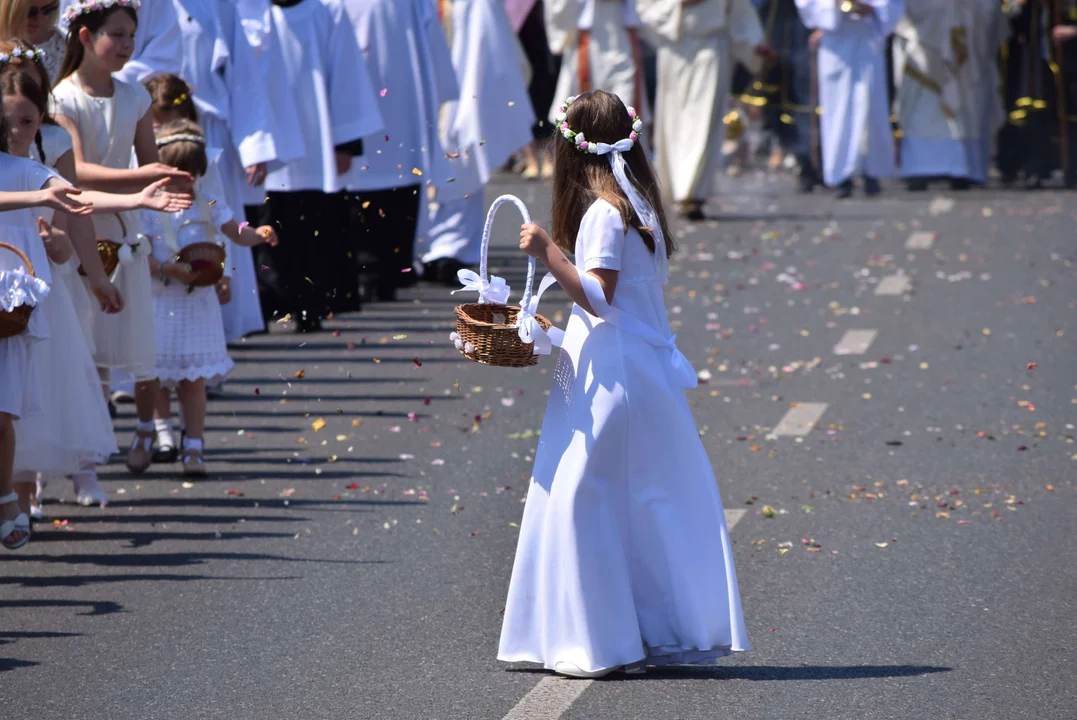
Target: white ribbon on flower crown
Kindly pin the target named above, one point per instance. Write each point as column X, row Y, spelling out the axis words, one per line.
column 530, row 330
column 644, row 211
column 494, row 292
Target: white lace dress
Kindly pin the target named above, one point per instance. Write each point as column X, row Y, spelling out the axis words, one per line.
column 624, row 554
column 189, row 327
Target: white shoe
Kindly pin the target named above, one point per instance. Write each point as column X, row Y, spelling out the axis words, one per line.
column 88, row 492
column 569, row 670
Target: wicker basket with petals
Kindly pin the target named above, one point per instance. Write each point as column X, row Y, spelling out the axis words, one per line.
column 109, row 252
column 487, row 332
column 15, row 321
column 206, row 260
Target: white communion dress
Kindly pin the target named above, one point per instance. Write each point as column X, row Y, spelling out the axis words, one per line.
column 624, row 554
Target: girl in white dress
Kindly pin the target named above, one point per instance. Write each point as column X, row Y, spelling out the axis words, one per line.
column 107, row 118
column 24, row 184
column 191, row 347
column 73, row 434
column 624, row 557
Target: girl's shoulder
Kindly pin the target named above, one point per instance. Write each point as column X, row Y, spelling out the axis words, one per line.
column 22, row 174
column 601, row 217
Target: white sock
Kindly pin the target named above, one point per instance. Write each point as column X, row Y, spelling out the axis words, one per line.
column 192, row 444
column 144, row 426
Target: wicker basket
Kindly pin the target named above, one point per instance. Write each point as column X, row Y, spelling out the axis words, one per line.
column 206, row 259
column 109, row 252
column 15, row 321
column 486, row 331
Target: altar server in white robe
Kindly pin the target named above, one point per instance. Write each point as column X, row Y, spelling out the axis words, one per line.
column 491, row 121
column 697, row 44
column 409, row 63
column 231, row 96
column 310, row 273
column 599, row 44
column 158, row 49
column 949, row 101
column 857, row 139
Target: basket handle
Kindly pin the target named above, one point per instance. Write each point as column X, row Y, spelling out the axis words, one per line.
column 486, row 242
column 22, row 256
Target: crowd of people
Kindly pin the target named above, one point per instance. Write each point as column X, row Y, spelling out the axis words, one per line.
column 179, row 174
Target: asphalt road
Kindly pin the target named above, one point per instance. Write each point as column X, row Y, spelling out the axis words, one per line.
column 906, row 549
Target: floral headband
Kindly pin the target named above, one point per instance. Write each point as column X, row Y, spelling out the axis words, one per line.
column 21, row 53
column 88, row 6
column 597, row 148
column 169, row 139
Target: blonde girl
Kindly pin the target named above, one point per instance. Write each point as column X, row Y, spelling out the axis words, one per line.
column 108, row 119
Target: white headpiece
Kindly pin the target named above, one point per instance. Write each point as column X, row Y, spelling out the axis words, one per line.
column 31, row 54
column 622, row 173
column 169, row 139
column 88, row 6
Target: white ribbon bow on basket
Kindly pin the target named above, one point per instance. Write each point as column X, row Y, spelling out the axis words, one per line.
column 491, row 292
column 530, row 329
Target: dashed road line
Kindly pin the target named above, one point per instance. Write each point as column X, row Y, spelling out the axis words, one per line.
column 897, row 284
column 920, row 240
column 800, row 420
column 855, row 342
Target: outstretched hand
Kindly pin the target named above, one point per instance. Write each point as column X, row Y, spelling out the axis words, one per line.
column 62, row 198
column 155, row 197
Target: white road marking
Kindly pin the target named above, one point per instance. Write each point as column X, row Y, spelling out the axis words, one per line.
column 920, row 240
column 732, row 517
column 855, row 342
column 897, row 284
column 553, row 695
column 941, row 205
column 800, row 419
column 549, row 699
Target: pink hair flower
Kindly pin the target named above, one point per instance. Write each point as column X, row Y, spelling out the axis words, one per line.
column 632, row 136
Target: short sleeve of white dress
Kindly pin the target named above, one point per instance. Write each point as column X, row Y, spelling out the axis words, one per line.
column 139, row 97
column 55, row 143
column 601, row 239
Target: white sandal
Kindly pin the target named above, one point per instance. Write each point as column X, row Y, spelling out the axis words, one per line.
column 21, row 523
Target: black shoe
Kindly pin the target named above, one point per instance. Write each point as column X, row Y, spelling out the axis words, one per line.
column 1070, row 179
column 872, row 186
column 385, row 293
column 692, row 210
column 845, row 190
column 308, row 324
column 960, row 183
column 918, row 184
column 1033, row 182
column 806, row 183
column 443, row 271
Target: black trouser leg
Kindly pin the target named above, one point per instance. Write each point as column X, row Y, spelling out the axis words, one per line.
column 382, row 225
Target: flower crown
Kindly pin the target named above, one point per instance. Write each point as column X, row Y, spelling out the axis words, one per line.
column 596, row 148
column 21, row 53
column 169, row 139
column 88, row 6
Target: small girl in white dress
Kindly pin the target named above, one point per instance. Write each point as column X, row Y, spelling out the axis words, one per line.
column 24, row 184
column 624, row 558
column 191, row 348
column 108, row 119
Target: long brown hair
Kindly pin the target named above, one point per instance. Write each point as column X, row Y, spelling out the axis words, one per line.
column 92, row 21
column 581, row 178
column 29, row 78
column 170, row 93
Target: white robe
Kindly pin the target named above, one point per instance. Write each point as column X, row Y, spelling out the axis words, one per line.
column 491, row 121
column 230, row 92
column 411, row 68
column 950, row 106
column 696, row 45
column 856, row 135
column 325, row 79
column 611, row 55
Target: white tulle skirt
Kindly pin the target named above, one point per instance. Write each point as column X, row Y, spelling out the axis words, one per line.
column 20, row 392
column 73, row 427
column 125, row 341
column 190, row 335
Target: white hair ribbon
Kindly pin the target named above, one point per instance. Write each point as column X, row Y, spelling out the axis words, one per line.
column 644, row 211
column 529, row 328
column 494, row 292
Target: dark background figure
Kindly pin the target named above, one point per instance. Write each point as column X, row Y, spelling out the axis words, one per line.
column 545, row 67
column 784, row 88
column 1026, row 149
column 1064, row 36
